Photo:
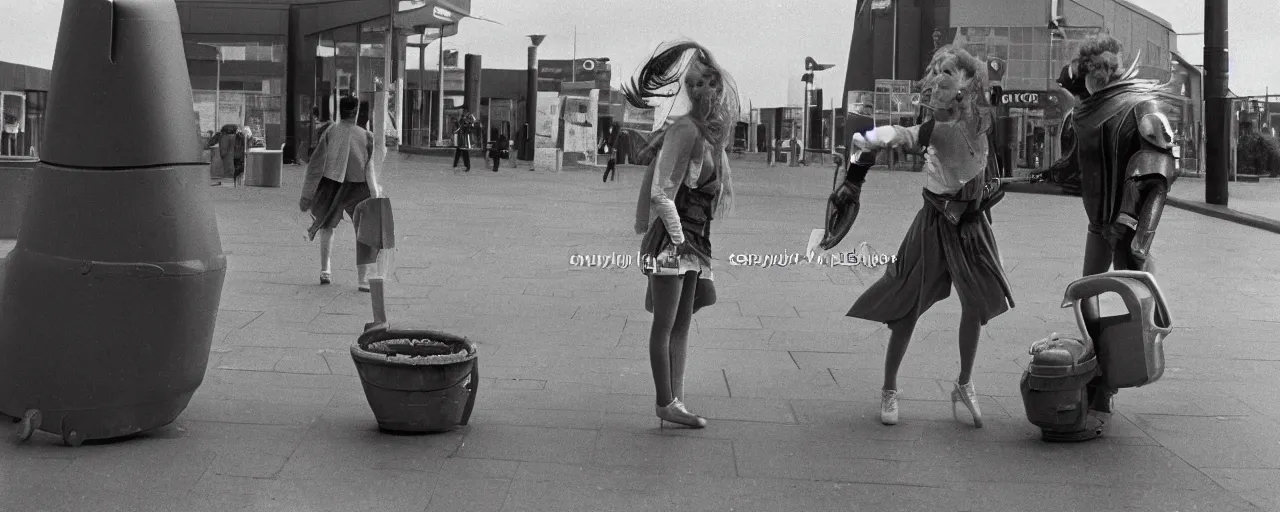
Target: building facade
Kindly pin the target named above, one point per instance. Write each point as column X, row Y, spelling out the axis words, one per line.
column 280, row 66
column 24, row 93
column 893, row 41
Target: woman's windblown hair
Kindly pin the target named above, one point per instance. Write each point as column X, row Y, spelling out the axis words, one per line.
column 715, row 114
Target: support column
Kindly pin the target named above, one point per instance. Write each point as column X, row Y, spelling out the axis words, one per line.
column 531, row 103
column 440, row 140
column 1217, row 105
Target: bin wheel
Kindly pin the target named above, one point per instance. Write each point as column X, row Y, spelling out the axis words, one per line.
column 73, row 439
column 28, row 424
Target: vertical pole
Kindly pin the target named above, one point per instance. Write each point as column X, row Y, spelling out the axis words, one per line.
column 389, row 59
column 1266, row 109
column 217, row 94
column 1045, row 157
column 832, row 101
column 1217, row 105
column 804, row 124
column 895, row 40
column 530, row 106
column 424, row 109
column 573, row 66
column 440, row 92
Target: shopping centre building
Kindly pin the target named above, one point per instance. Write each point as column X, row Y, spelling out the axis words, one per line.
column 893, row 40
column 279, row 66
column 24, row 92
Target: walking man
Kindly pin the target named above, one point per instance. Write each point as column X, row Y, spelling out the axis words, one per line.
column 463, row 133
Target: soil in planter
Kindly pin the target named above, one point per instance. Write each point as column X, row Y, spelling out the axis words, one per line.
column 415, row 348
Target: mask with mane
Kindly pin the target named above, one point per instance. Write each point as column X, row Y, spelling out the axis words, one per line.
column 954, row 87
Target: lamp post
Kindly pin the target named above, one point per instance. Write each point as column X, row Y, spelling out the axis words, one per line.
column 440, row 142
column 810, row 66
column 531, row 100
column 1217, row 105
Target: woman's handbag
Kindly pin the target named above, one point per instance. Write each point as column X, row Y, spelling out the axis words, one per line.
column 375, row 225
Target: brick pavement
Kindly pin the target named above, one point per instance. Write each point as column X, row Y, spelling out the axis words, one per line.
column 564, row 420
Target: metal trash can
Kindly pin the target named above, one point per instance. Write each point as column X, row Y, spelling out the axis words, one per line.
column 262, row 167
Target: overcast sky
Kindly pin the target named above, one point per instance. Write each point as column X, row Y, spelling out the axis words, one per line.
column 763, row 43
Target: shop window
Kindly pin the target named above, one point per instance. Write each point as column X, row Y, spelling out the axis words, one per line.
column 245, row 95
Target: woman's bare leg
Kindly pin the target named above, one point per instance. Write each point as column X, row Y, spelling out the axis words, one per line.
column 970, row 334
column 899, row 338
column 679, row 345
column 326, row 247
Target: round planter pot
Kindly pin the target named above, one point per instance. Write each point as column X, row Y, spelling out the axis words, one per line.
column 415, row 387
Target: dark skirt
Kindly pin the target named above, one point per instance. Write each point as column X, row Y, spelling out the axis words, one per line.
column 935, row 255
column 331, row 200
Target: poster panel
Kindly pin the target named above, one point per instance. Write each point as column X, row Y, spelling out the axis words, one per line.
column 548, row 124
column 580, row 126
column 639, row 119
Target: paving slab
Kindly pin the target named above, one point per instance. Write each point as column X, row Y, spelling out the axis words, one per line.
column 790, row 385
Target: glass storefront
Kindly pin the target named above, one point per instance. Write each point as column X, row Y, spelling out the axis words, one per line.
column 13, row 129
column 21, row 122
column 238, row 80
column 349, row 61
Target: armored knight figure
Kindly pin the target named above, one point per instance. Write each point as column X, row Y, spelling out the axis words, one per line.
column 1123, row 152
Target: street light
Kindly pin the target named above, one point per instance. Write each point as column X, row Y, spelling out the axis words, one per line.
column 531, row 99
column 810, row 66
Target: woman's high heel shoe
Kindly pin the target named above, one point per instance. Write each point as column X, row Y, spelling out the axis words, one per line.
column 964, row 393
column 676, row 412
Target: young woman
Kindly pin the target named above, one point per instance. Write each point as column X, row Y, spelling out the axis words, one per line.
column 339, row 177
column 951, row 241
column 676, row 207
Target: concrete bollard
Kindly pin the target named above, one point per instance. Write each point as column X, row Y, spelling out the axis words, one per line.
column 111, row 293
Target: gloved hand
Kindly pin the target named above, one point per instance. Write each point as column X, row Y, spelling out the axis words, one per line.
column 304, row 204
column 842, row 211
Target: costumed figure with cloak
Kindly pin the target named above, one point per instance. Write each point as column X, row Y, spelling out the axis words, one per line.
column 950, row 242
column 1123, row 152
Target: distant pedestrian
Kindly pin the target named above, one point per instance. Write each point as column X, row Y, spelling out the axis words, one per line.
column 228, row 144
column 463, row 134
column 501, row 150
column 610, row 147
column 9, row 138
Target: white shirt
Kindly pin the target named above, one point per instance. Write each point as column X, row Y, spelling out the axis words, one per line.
column 952, row 160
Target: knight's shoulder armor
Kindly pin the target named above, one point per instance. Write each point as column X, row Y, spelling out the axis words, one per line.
column 1155, row 153
column 1153, row 124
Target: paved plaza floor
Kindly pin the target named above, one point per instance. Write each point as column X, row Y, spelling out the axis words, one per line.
column 565, row 421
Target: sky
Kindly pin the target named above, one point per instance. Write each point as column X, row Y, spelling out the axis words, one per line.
column 762, row 43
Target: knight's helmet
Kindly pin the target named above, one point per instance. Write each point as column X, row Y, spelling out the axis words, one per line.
column 1122, row 350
